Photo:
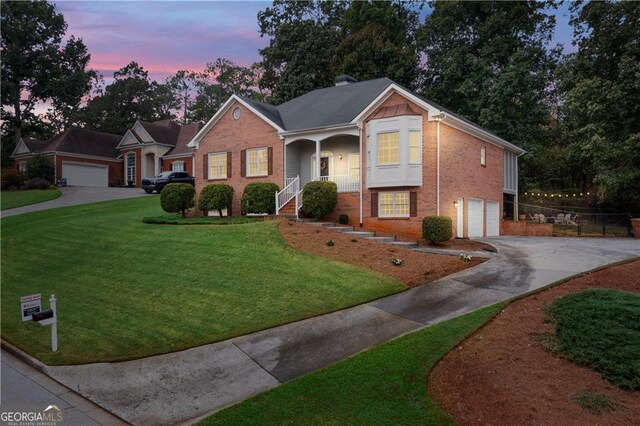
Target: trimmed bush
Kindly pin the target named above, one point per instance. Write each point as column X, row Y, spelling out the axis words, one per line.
column 41, row 167
column 177, row 198
column 11, row 179
column 259, row 197
column 319, row 198
column 215, row 197
column 436, row 229
column 343, row 219
column 36, row 183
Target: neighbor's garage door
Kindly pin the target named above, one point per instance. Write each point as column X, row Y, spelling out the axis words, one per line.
column 475, row 218
column 493, row 218
column 85, row 174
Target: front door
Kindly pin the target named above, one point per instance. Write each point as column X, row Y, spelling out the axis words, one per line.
column 324, row 166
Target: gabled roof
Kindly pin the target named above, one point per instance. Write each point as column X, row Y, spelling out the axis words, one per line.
column 163, row 132
column 269, row 111
column 331, row 106
column 187, row 132
column 346, row 105
column 77, row 141
column 33, row 144
column 86, row 142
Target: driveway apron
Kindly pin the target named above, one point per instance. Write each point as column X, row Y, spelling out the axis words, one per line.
column 188, row 385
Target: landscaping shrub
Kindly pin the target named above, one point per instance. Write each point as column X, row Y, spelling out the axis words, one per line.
column 36, row 183
column 319, row 198
column 177, row 198
column 259, row 197
column 343, row 219
column 11, row 179
column 40, row 166
column 436, row 229
column 600, row 329
column 215, row 197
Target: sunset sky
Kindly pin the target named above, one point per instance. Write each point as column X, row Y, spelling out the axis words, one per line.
column 165, row 36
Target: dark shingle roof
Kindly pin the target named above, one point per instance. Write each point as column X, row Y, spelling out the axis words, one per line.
column 187, row 132
column 330, row 106
column 33, row 145
column 268, row 110
column 86, row 142
column 164, row 131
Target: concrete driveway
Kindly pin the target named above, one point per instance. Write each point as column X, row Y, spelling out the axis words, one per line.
column 76, row 195
column 187, row 385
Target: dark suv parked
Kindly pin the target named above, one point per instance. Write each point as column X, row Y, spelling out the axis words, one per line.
column 158, row 182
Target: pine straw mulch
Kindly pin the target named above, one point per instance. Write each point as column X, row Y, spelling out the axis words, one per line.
column 417, row 268
column 501, row 375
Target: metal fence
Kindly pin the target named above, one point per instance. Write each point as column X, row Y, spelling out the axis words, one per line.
column 579, row 221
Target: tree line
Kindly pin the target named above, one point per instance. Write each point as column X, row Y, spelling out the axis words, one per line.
column 492, row 62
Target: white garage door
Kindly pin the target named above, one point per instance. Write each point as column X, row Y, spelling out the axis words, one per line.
column 475, row 219
column 85, row 174
column 493, row 218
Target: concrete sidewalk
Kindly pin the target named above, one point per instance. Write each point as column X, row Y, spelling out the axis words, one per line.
column 76, row 195
column 24, row 385
column 188, row 385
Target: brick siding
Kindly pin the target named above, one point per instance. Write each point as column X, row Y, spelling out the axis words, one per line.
column 229, row 135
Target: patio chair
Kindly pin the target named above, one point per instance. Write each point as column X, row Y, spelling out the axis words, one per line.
column 542, row 218
column 535, row 218
column 560, row 219
column 568, row 221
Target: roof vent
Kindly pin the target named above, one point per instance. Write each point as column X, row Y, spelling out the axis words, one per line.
column 343, row 80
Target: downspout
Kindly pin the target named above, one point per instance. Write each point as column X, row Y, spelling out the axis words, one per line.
column 438, row 119
column 360, row 171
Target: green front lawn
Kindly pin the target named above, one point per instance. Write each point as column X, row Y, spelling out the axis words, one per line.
column 13, row 199
column 384, row 386
column 126, row 289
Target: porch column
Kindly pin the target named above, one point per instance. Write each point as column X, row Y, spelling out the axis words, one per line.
column 318, row 159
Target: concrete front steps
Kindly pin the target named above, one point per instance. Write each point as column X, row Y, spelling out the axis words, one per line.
column 367, row 235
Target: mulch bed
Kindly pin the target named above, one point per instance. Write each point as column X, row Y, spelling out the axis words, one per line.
column 502, row 376
column 417, row 268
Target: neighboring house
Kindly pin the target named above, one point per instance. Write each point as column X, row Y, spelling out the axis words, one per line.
column 83, row 157
column 149, row 148
column 395, row 156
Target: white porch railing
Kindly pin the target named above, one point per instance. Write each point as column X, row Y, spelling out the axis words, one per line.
column 291, row 189
column 345, row 183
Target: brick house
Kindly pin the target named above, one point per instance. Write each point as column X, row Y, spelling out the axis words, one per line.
column 395, row 157
column 149, row 148
column 82, row 157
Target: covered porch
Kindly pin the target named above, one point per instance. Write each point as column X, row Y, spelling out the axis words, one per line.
column 335, row 158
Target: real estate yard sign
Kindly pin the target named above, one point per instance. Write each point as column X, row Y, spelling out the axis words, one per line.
column 30, row 305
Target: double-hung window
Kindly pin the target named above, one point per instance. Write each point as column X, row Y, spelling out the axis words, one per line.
column 218, row 165
column 177, row 166
column 483, row 156
column 388, row 148
column 257, row 162
column 393, row 204
column 414, row 146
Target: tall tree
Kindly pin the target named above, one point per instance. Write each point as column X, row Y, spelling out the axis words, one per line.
column 380, row 41
column 130, row 97
column 601, row 86
column 31, row 35
column 491, row 62
column 71, row 82
column 303, row 36
column 219, row 80
column 183, row 84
